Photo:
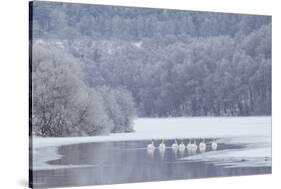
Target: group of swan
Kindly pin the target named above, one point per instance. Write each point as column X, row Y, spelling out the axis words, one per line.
column 152, row 147
column 192, row 147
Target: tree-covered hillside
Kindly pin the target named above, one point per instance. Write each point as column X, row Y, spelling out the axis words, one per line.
column 112, row 62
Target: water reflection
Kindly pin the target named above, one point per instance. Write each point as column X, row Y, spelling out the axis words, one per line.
column 202, row 150
column 191, row 151
column 162, row 153
column 181, row 153
column 150, row 153
column 175, row 152
column 121, row 162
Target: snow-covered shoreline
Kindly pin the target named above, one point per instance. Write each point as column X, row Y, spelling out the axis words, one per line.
column 257, row 153
column 170, row 128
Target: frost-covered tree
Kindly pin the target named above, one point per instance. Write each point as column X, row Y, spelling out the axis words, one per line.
column 126, row 103
column 173, row 63
column 62, row 105
column 93, row 118
column 55, row 82
column 120, row 108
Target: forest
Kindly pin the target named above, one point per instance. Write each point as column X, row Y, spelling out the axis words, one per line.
column 96, row 68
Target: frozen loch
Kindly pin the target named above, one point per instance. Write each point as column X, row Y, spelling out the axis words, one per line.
column 243, row 148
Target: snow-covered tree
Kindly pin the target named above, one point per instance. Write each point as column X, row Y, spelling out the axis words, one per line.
column 62, row 104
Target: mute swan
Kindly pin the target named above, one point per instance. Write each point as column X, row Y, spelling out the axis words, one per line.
column 162, row 146
column 194, row 146
column 181, row 146
column 189, row 146
column 214, row 145
column 175, row 145
column 202, row 146
column 151, row 147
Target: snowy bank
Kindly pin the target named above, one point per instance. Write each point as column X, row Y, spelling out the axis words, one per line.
column 170, row 128
column 257, row 153
column 43, row 155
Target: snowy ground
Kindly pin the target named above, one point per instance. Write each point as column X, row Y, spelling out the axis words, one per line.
column 257, row 153
column 42, row 155
column 169, row 128
column 253, row 131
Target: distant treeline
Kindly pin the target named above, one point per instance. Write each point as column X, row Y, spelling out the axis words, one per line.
column 71, row 20
column 94, row 67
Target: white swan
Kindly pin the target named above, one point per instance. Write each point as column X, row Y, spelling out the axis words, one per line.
column 162, row 146
column 214, row 145
column 194, row 147
column 202, row 146
column 175, row 145
column 181, row 146
column 189, row 146
column 151, row 147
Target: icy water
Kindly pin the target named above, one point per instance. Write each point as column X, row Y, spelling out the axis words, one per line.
column 125, row 162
